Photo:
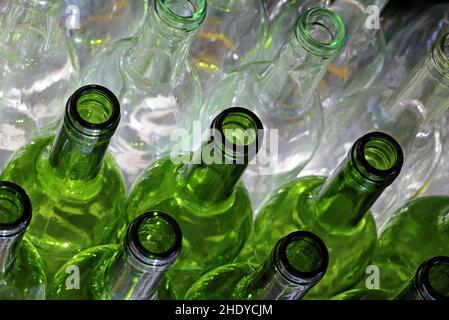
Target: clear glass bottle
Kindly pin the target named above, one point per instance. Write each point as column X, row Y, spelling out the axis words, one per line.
column 22, row 275
column 76, row 188
column 204, row 194
column 133, row 270
column 336, row 209
column 296, row 264
column 282, row 93
column 158, row 88
column 39, row 71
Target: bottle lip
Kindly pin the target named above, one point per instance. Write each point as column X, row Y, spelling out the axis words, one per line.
column 310, row 44
column 85, row 127
column 144, row 255
column 187, row 23
column 228, row 147
column 291, row 273
column 439, row 55
column 422, row 278
column 20, row 225
column 368, row 171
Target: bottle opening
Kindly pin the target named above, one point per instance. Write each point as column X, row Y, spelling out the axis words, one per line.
column 155, row 238
column 303, row 257
column 440, row 55
column 94, row 107
column 378, row 157
column 182, row 14
column 15, row 209
column 321, row 32
column 434, row 275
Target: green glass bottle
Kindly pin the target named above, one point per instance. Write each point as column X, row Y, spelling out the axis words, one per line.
column 296, row 264
column 431, row 282
column 417, row 231
column 336, row 209
column 22, row 274
column 77, row 190
column 204, row 195
column 133, row 270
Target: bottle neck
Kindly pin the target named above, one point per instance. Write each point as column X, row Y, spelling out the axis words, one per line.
column 9, row 249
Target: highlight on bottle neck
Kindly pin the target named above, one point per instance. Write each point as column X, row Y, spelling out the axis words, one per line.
column 187, row 15
column 377, row 159
column 302, row 258
column 15, row 210
column 439, row 56
column 154, row 239
column 42, row 4
column 432, row 279
column 320, row 32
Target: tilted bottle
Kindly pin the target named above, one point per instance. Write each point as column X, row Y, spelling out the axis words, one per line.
column 39, row 71
column 336, row 209
column 133, row 270
column 158, row 88
column 282, row 93
column 93, row 25
column 410, row 114
column 205, row 195
column 22, row 275
column 76, row 188
column 430, row 282
column 296, row 264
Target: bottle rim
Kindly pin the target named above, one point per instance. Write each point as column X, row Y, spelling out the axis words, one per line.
column 422, row 278
column 440, row 55
column 19, row 225
column 187, row 23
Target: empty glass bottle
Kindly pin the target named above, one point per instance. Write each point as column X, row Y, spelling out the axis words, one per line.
column 77, row 191
column 282, row 93
column 295, row 265
column 336, row 209
column 158, row 88
column 430, row 282
column 22, row 274
column 205, row 195
column 39, row 71
column 92, row 25
column 133, row 270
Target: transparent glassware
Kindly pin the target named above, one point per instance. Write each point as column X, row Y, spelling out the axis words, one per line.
column 132, row 270
column 22, row 275
column 411, row 114
column 92, row 25
column 296, row 264
column 283, row 95
column 76, row 188
column 336, row 209
column 157, row 85
column 203, row 192
column 231, row 29
column 358, row 63
column 39, row 71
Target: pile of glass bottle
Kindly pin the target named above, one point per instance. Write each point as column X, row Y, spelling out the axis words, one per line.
column 180, row 149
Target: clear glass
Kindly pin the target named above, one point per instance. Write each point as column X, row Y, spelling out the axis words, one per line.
column 282, row 93
column 39, row 71
column 92, row 25
column 76, row 188
column 336, row 209
column 158, row 88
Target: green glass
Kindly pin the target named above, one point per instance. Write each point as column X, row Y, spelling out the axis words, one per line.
column 431, row 282
column 22, row 274
column 336, row 209
column 417, row 231
column 77, row 190
column 296, row 264
column 204, row 195
column 133, row 270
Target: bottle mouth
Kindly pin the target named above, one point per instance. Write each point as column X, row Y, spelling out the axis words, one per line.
column 432, row 279
column 321, row 32
column 238, row 134
column 378, row 157
column 93, row 111
column 187, row 15
column 440, row 55
column 154, row 238
column 302, row 257
column 15, row 209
